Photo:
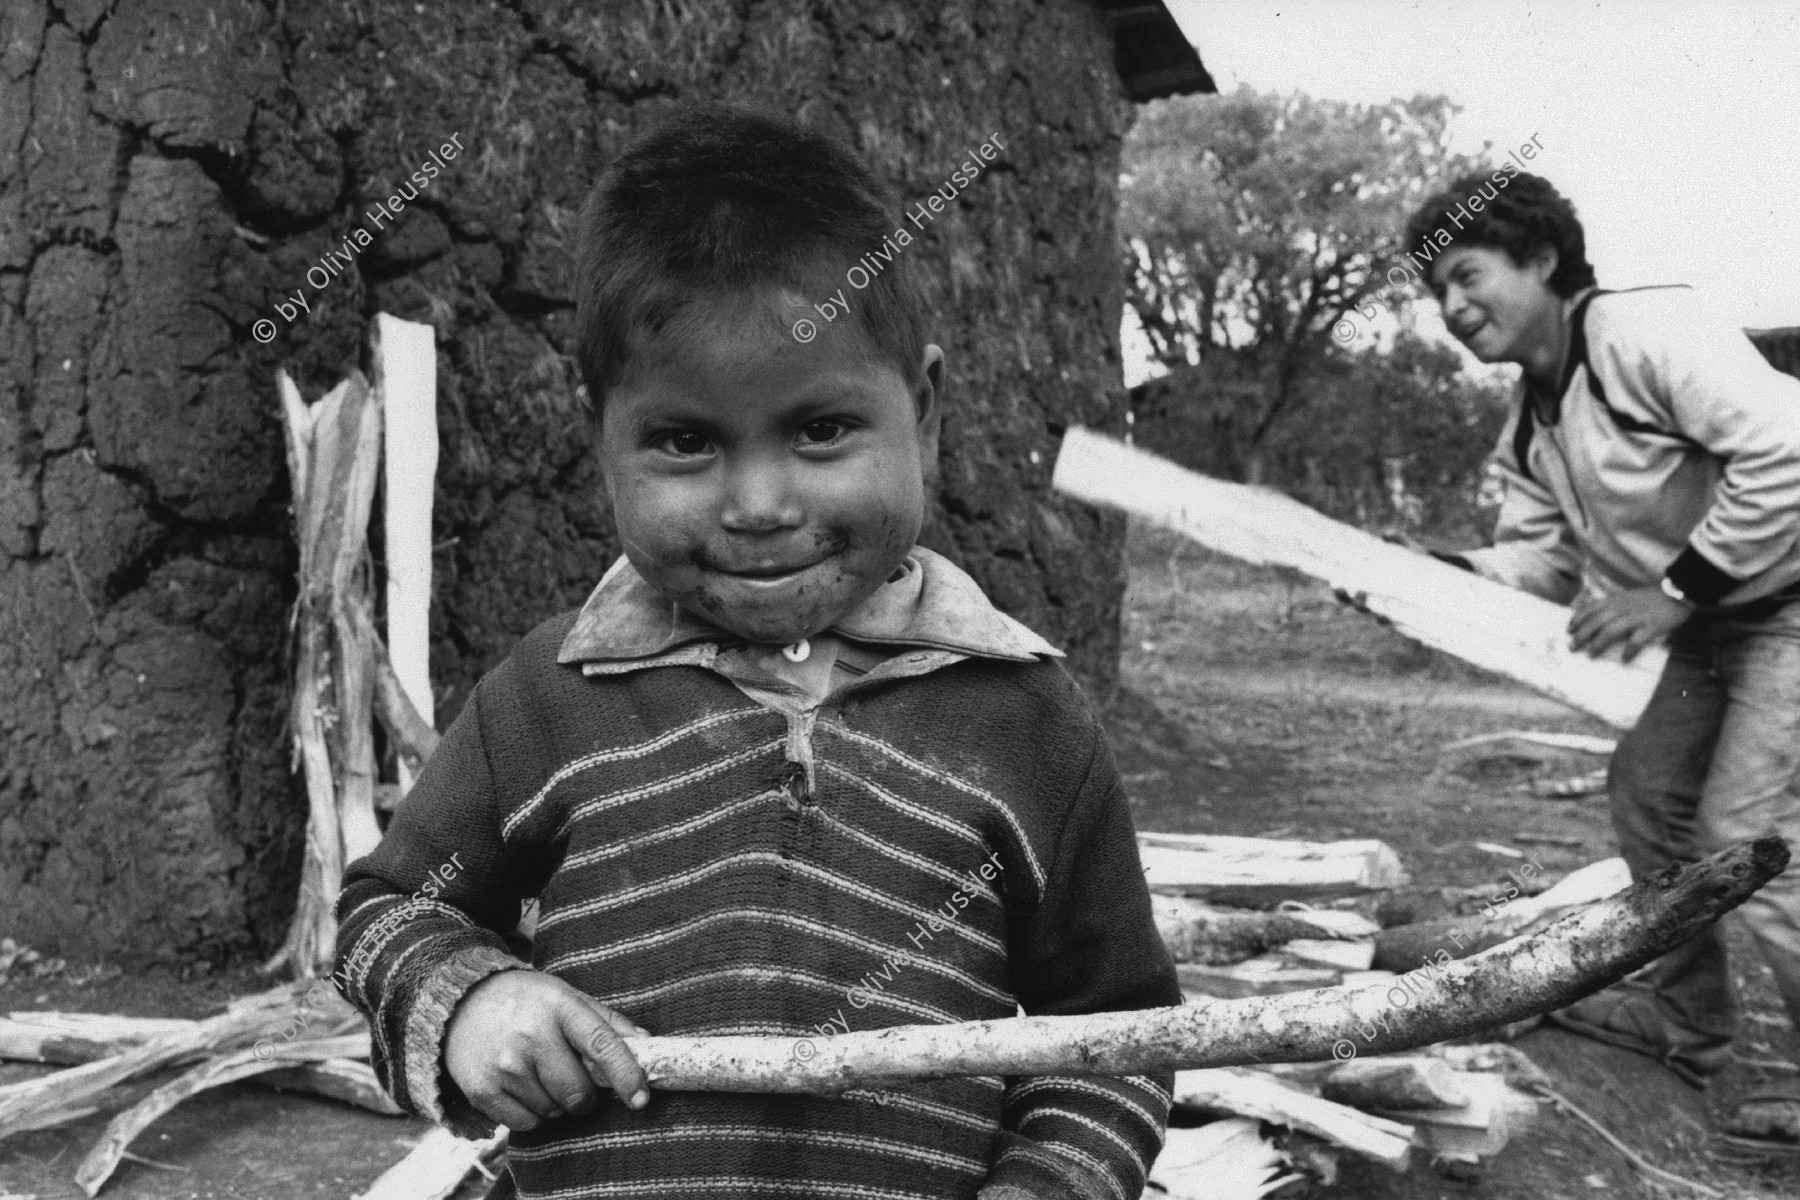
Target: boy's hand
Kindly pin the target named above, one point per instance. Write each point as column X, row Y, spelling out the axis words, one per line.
column 1633, row 619
column 524, row 1046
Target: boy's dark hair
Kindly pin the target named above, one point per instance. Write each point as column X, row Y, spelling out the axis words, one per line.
column 718, row 197
column 1519, row 217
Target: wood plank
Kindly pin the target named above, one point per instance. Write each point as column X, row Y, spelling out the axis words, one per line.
column 1195, row 931
column 405, row 365
column 1396, row 1084
column 1249, row 1094
column 1494, row 627
column 1260, row 872
column 1336, row 955
column 1268, row 975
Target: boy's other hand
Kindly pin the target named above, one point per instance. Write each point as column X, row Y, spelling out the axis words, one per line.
column 1632, row 619
column 524, row 1046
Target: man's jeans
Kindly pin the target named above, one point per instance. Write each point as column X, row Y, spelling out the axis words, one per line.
column 1711, row 762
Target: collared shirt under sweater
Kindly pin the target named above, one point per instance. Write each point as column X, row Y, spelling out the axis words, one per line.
column 928, row 829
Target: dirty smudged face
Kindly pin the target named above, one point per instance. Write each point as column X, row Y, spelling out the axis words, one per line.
column 767, row 485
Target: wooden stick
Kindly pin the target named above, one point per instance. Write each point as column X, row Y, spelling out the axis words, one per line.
column 266, row 1014
column 1631, row 1156
column 1581, row 953
column 352, row 672
column 69, row 1039
column 333, row 451
column 343, row 1079
column 1498, row 628
column 406, row 727
column 103, row 1159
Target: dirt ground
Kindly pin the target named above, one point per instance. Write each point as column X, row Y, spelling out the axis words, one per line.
column 1256, row 704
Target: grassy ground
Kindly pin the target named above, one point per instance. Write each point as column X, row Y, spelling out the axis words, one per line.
column 1260, row 705
column 1254, row 704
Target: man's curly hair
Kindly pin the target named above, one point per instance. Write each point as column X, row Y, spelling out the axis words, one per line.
column 1519, row 215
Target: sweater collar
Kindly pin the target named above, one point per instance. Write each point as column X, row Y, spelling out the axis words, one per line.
column 931, row 603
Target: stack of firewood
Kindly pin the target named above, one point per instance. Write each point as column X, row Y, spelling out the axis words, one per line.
column 1461, row 1104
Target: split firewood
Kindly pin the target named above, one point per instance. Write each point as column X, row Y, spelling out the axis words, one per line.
column 1579, row 954
column 1269, row 975
column 435, row 1167
column 1510, row 1062
column 1395, row 1084
column 1260, row 872
column 412, row 735
column 1195, row 931
column 1228, row 1159
column 1405, row 947
column 268, row 1016
column 69, row 1039
column 1248, row 1094
column 348, row 1080
column 1336, row 955
column 333, row 453
column 104, row 1158
column 1500, row 629
column 1480, row 1129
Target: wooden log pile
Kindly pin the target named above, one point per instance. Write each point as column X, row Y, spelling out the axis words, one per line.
column 302, row 1035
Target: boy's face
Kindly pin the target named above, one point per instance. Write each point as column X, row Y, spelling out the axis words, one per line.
column 765, row 484
column 1501, row 310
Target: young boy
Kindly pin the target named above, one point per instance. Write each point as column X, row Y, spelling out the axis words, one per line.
column 786, row 773
column 1652, row 476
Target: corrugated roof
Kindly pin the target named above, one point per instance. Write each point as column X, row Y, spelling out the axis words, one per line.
column 1153, row 57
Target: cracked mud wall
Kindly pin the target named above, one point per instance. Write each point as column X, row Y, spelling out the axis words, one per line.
column 171, row 168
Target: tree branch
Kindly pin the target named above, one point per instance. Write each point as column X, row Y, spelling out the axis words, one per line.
column 1522, row 978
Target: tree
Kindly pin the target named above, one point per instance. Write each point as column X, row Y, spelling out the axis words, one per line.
column 170, row 171
column 1393, row 438
column 1255, row 225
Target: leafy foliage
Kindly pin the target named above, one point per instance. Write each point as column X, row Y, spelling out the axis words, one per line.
column 1255, row 223
column 1392, row 440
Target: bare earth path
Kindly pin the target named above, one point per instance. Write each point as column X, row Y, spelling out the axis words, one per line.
column 1256, row 704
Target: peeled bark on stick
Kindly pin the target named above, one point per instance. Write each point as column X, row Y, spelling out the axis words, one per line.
column 1578, row 955
column 1497, row 628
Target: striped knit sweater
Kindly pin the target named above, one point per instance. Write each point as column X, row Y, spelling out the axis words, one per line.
column 945, row 839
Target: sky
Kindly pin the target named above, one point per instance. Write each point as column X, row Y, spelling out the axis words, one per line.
column 1673, row 127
